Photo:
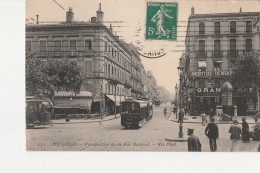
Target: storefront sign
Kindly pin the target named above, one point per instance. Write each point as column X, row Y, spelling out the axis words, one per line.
column 210, row 74
column 208, row 90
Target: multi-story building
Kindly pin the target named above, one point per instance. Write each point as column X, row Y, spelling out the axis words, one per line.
column 212, row 42
column 110, row 66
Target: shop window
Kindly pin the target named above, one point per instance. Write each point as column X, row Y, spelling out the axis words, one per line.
column 217, row 83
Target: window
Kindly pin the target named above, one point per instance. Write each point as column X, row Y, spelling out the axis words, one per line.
column 248, row 26
column 105, row 46
column 73, row 44
column 232, row 27
column 217, row 28
column 43, row 45
column 57, row 45
column 28, row 45
column 201, row 84
column 88, row 68
column 202, row 49
column 201, row 28
column 233, row 48
column 217, row 83
column 217, row 66
column 217, row 48
column 88, row 44
column 202, row 69
column 248, row 44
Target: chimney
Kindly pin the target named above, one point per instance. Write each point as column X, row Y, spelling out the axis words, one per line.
column 192, row 11
column 93, row 19
column 69, row 16
column 37, row 19
column 100, row 15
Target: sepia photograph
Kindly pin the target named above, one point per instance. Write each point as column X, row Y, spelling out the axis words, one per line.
column 142, row 75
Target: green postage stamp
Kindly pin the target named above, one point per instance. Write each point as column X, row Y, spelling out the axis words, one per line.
column 161, row 21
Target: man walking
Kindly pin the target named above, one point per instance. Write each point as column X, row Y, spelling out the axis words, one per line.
column 235, row 132
column 211, row 132
column 193, row 141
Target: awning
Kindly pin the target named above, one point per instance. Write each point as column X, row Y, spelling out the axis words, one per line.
column 202, row 64
column 116, row 99
column 72, row 103
column 71, row 94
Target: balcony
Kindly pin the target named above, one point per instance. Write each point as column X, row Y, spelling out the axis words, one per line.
column 64, row 53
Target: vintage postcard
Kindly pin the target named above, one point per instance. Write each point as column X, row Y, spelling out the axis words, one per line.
column 142, row 75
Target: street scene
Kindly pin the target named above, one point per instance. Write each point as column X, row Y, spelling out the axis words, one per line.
column 159, row 134
column 172, row 76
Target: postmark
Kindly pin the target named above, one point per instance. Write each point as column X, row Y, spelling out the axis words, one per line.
column 161, row 21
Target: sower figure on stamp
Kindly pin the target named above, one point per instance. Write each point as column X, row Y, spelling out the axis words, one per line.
column 193, row 141
column 235, row 132
column 159, row 17
column 211, row 132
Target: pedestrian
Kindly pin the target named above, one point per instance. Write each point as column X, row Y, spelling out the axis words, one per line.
column 203, row 118
column 211, row 132
column 181, row 116
column 245, row 131
column 235, row 132
column 211, row 113
column 176, row 112
column 193, row 141
column 165, row 111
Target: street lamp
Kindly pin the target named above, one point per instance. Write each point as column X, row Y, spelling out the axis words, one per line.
column 176, row 91
column 180, row 71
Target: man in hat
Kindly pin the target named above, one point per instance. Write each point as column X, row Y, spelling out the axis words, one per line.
column 235, row 132
column 211, row 132
column 193, row 141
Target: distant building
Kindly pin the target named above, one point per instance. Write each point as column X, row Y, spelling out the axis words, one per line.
column 212, row 42
column 113, row 68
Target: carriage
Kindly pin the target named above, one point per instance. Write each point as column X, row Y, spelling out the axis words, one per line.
column 135, row 112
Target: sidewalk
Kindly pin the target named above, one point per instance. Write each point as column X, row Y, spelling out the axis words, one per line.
column 75, row 121
column 197, row 119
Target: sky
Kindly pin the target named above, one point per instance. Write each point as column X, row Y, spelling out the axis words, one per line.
column 132, row 14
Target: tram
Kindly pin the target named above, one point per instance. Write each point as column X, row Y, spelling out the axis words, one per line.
column 135, row 112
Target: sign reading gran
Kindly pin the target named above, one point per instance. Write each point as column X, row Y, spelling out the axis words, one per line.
column 161, row 21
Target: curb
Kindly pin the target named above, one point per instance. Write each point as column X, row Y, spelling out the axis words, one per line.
column 207, row 123
column 88, row 121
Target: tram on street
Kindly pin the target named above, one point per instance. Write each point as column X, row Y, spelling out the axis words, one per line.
column 38, row 111
column 135, row 112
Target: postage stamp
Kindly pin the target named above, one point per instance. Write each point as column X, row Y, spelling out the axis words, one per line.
column 161, row 21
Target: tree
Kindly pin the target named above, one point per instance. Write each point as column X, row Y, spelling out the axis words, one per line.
column 44, row 78
column 246, row 69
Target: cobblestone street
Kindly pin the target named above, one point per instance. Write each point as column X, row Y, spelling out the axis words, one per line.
column 155, row 135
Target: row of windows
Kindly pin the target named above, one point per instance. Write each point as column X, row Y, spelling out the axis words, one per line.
column 113, row 89
column 217, row 67
column 212, row 83
column 116, row 54
column 232, row 27
column 58, row 45
column 217, row 46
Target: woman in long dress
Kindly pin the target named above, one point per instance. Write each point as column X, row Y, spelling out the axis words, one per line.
column 245, row 131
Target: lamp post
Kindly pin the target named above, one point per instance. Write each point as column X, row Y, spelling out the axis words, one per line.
column 180, row 69
column 176, row 91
